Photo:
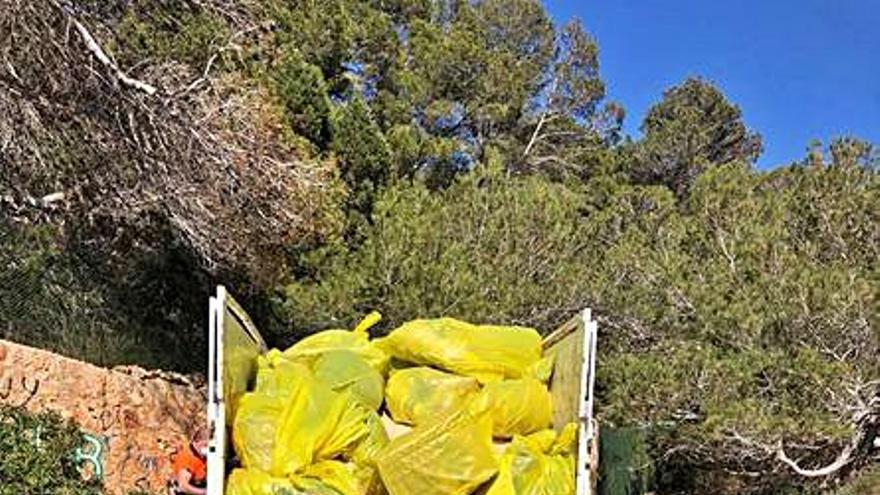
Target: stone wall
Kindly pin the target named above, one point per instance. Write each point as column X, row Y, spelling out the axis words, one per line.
column 134, row 419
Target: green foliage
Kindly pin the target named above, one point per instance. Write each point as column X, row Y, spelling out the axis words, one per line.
column 485, row 179
column 694, row 127
column 363, row 154
column 568, row 135
column 169, row 30
column 36, row 455
column 42, row 303
column 453, row 79
column 459, row 252
column 52, row 299
column 303, row 92
column 323, row 31
column 762, row 392
column 866, row 483
column 743, row 311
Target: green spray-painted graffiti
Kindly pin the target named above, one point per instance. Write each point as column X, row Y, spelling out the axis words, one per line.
column 92, row 453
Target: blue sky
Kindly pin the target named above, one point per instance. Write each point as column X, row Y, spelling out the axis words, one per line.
column 799, row 69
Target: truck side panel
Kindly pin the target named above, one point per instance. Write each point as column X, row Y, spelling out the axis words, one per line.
column 234, row 344
column 571, row 388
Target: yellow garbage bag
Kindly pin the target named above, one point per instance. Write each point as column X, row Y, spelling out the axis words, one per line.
column 317, row 424
column 255, row 482
column 519, row 407
column 364, row 456
column 347, row 370
column 285, row 427
column 450, row 456
column 279, row 377
column 357, row 340
column 327, row 478
column 369, row 481
column 418, row 395
column 373, row 442
column 270, row 359
column 543, row 369
column 348, row 430
column 487, row 353
column 255, row 429
column 340, row 369
column 539, row 464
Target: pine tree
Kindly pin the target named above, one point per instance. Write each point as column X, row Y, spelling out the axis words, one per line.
column 692, row 128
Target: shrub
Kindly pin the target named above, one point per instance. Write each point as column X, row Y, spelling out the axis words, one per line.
column 731, row 322
column 458, row 252
column 164, row 30
column 36, row 455
column 303, row 92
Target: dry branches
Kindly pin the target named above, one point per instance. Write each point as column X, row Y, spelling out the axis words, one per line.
column 864, row 403
column 210, row 158
column 102, row 57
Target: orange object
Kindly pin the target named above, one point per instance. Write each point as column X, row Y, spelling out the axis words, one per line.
column 188, row 460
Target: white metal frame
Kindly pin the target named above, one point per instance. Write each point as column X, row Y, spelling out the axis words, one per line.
column 216, row 406
column 220, row 307
column 586, row 433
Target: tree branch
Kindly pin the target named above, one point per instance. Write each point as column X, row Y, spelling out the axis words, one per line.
column 102, row 57
column 535, row 135
column 542, row 120
column 845, row 457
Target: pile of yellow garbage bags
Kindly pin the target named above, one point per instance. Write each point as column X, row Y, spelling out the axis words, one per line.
column 471, row 400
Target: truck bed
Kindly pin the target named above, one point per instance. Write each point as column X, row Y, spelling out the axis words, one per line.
column 235, row 343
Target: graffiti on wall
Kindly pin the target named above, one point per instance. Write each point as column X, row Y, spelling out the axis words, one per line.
column 30, row 387
column 132, row 426
column 90, row 456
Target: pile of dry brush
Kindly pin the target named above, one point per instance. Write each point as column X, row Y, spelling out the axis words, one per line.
column 112, row 151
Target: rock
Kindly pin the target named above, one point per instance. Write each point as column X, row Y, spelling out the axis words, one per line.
column 137, row 419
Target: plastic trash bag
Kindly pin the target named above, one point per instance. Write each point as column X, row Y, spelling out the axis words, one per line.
column 487, row 353
column 318, row 424
column 369, row 481
column 340, row 369
column 357, row 340
column 394, row 428
column 372, row 443
column 255, row 429
column 518, row 407
column 283, row 428
column 418, row 395
column 350, row 426
column 539, row 464
column 347, row 370
column 279, row 377
column 270, row 359
column 255, row 482
column 450, row 456
column 364, row 456
column 327, row 478
column 543, row 369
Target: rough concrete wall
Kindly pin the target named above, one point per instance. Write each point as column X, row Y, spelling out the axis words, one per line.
column 135, row 420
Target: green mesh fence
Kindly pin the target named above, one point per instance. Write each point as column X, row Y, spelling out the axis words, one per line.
column 52, row 300
column 45, row 303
